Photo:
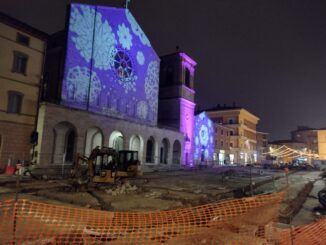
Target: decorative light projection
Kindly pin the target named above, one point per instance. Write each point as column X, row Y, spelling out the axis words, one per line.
column 111, row 67
column 204, row 138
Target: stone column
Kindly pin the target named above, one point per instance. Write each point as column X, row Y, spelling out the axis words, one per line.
column 59, row 148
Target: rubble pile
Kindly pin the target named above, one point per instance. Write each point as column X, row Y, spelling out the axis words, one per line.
column 122, row 189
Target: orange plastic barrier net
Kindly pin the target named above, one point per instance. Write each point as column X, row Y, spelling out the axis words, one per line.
column 240, row 221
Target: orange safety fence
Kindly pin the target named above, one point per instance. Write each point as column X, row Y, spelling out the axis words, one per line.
column 240, row 221
column 314, row 233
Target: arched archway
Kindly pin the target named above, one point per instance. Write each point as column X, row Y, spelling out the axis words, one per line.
column 94, row 138
column 137, row 144
column 150, row 150
column 176, row 158
column 65, row 141
column 164, row 151
column 70, row 145
column 116, row 140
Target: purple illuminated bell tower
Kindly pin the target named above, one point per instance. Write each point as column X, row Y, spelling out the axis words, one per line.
column 176, row 98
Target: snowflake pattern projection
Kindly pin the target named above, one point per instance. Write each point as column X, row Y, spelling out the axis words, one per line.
column 203, row 135
column 125, row 38
column 142, row 110
column 140, row 58
column 77, row 84
column 151, row 84
column 136, row 29
column 125, row 72
column 206, row 153
column 82, row 23
column 196, row 140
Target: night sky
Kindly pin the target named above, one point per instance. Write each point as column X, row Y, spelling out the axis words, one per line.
column 268, row 56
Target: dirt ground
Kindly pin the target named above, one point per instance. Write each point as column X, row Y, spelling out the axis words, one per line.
column 164, row 190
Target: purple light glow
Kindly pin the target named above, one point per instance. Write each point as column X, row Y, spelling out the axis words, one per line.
column 187, row 128
column 110, row 67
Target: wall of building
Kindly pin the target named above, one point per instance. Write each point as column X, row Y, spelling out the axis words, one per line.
column 111, row 67
column 307, row 136
column 16, row 128
column 187, row 121
column 262, row 145
column 203, row 143
column 55, row 121
column 243, row 138
column 14, row 142
column 321, row 135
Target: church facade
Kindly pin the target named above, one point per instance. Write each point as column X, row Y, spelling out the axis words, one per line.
column 106, row 86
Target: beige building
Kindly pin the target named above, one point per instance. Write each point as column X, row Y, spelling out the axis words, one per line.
column 22, row 50
column 222, row 143
column 242, row 133
column 313, row 138
column 262, row 145
column 321, row 136
column 308, row 136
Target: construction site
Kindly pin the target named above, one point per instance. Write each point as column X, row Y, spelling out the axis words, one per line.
column 102, row 140
column 202, row 205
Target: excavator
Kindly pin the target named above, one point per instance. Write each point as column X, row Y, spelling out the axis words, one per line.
column 105, row 165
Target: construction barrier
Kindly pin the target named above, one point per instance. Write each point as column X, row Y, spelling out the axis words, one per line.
column 241, row 221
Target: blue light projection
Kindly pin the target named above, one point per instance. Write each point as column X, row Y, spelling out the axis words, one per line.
column 204, row 138
column 110, row 66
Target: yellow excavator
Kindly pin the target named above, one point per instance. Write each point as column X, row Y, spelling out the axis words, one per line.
column 105, row 164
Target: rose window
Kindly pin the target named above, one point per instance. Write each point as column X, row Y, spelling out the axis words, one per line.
column 123, row 65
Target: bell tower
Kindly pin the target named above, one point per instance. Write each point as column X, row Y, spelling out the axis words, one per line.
column 177, row 98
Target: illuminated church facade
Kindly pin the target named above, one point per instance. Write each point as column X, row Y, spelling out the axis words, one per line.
column 106, row 86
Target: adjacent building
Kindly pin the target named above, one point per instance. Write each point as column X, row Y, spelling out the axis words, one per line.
column 262, row 146
column 306, row 144
column 306, row 135
column 176, row 107
column 22, row 50
column 242, row 133
column 203, row 143
column 313, row 138
column 321, row 139
column 222, row 143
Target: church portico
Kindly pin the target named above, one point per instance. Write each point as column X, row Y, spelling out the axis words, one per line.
column 62, row 134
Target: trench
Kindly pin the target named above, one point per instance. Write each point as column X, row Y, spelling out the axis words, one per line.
column 103, row 205
column 295, row 205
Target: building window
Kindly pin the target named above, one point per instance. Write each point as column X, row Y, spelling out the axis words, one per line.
column 15, row 100
column 20, row 62
column 222, row 143
column 231, row 144
column 231, row 133
column 227, row 133
column 187, row 78
column 219, row 120
column 221, row 131
column 230, row 121
column 22, row 39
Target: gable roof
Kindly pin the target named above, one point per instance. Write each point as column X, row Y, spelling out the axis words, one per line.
column 8, row 20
